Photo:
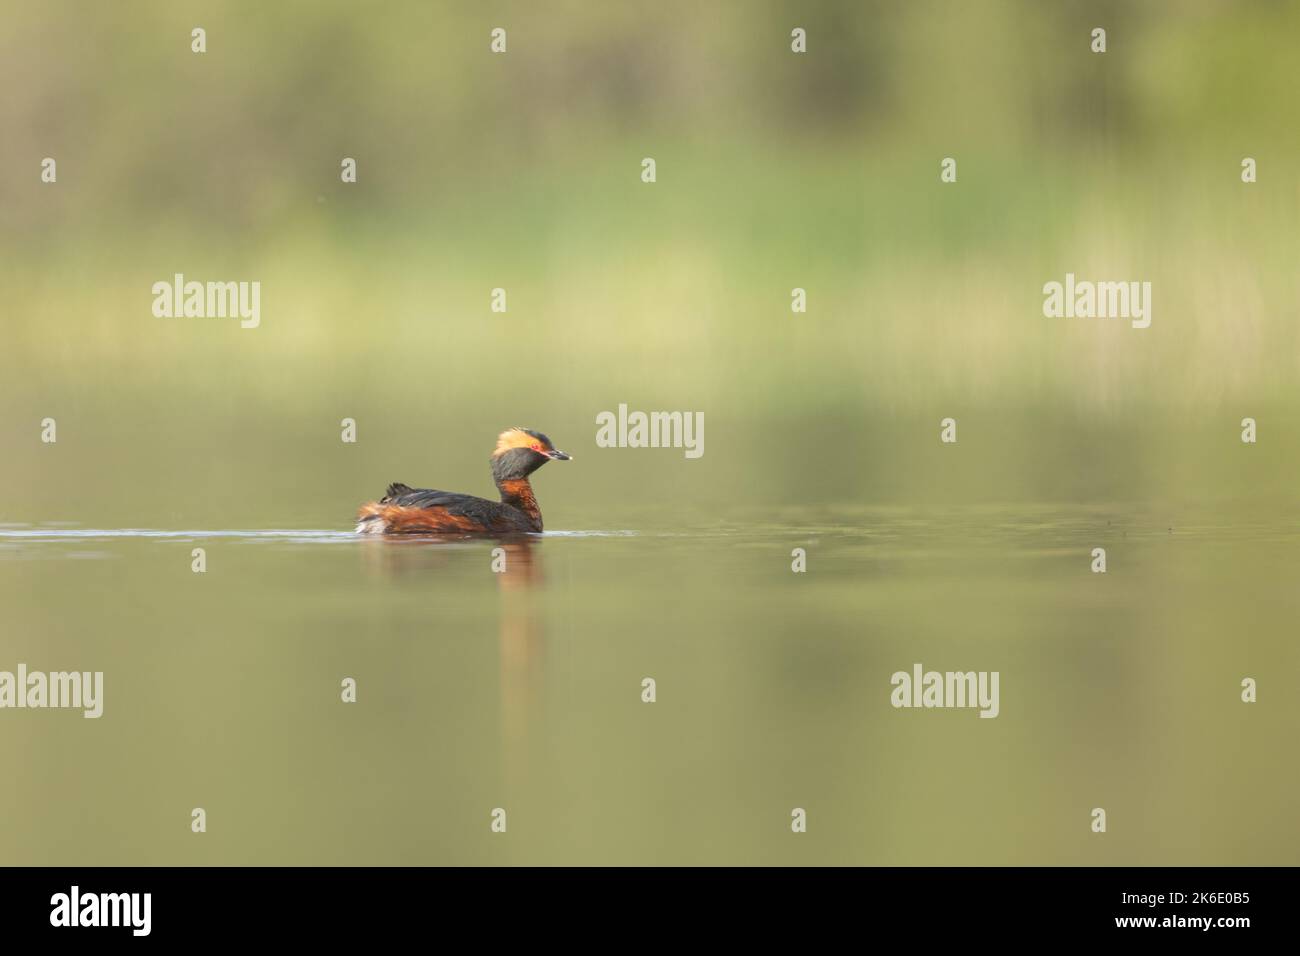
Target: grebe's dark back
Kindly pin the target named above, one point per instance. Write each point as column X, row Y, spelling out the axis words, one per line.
column 406, row 510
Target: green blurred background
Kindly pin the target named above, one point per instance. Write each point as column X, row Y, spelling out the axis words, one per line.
column 775, row 171
column 522, row 171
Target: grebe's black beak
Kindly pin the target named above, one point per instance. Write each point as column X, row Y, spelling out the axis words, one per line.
column 557, row 455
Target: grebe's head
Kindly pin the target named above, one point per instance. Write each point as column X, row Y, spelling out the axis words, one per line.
column 520, row 452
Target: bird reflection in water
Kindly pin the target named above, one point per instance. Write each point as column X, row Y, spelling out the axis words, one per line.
column 521, row 643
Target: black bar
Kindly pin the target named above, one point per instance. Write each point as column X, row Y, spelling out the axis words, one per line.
column 372, row 905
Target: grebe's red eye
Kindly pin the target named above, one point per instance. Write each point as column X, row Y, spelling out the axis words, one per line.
column 536, row 447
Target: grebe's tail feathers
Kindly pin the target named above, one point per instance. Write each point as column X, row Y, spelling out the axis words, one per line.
column 396, row 490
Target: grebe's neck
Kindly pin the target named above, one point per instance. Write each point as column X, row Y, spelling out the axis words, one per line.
column 518, row 493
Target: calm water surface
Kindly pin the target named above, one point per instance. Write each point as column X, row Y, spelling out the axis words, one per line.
column 522, row 690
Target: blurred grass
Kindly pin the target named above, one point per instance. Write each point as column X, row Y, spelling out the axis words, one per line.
column 521, row 171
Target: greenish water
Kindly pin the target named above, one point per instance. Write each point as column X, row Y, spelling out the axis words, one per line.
column 522, row 690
